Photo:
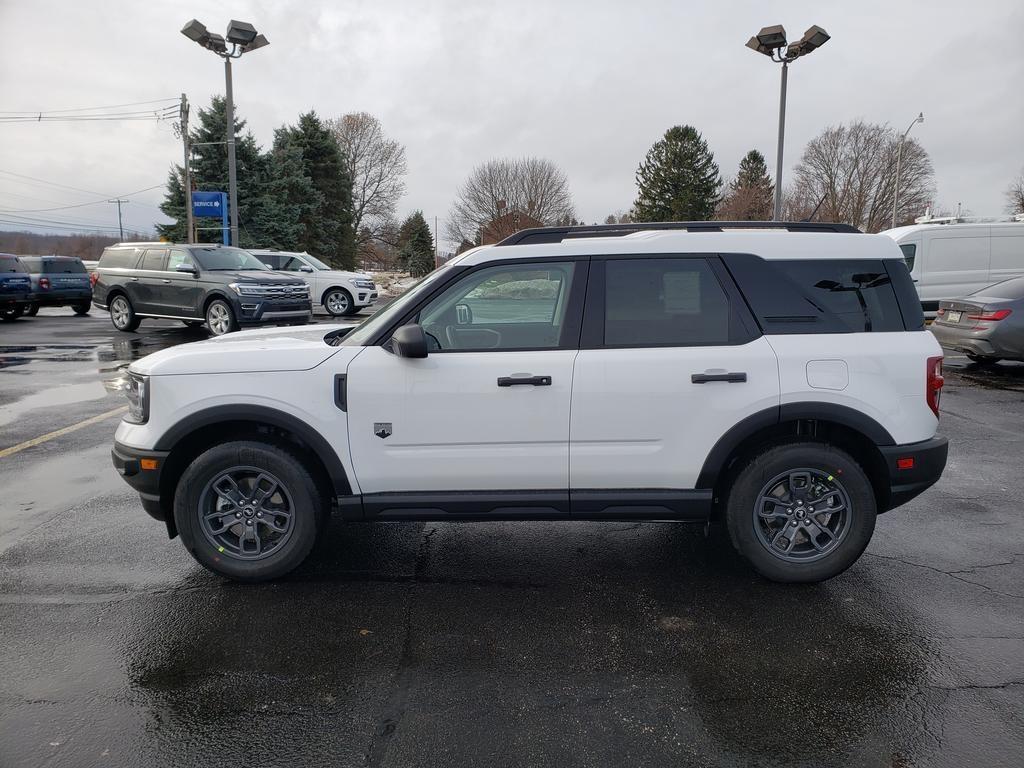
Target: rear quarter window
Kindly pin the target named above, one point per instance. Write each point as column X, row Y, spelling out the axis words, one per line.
column 123, row 258
column 827, row 295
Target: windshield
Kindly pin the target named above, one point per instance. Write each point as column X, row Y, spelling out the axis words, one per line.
column 367, row 329
column 315, row 262
column 227, row 260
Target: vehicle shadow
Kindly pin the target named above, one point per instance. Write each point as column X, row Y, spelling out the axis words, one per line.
column 577, row 643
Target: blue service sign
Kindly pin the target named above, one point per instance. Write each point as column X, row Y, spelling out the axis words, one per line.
column 208, row 204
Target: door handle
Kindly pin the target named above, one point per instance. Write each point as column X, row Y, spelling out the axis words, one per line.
column 134, row 279
column 704, row 378
column 167, row 281
column 533, row 381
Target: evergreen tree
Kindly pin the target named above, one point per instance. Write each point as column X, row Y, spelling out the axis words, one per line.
column 751, row 194
column 327, row 228
column 289, row 199
column 417, row 248
column 678, row 180
column 210, row 172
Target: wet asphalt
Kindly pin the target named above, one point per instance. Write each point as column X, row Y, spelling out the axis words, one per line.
column 447, row 644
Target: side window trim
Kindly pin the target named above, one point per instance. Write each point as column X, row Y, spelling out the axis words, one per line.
column 742, row 327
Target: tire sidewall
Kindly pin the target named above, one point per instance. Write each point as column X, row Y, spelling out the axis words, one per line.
column 742, row 497
column 133, row 320
column 308, row 509
column 345, row 293
column 233, row 321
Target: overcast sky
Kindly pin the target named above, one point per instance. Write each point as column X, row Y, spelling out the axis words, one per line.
column 590, row 85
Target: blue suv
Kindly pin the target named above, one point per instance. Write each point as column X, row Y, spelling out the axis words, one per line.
column 58, row 281
column 14, row 287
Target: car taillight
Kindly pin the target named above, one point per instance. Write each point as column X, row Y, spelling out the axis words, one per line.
column 941, row 312
column 933, row 383
column 44, row 283
column 999, row 314
column 93, row 277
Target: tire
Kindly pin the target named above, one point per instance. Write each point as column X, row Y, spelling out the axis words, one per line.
column 192, row 323
column 31, row 310
column 10, row 315
column 223, row 542
column 338, row 303
column 122, row 314
column 220, row 318
column 810, row 471
column 982, row 360
column 82, row 308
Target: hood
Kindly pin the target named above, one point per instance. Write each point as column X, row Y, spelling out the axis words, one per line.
column 262, row 350
column 344, row 274
column 257, row 276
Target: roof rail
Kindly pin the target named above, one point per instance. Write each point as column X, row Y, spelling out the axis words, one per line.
column 557, row 234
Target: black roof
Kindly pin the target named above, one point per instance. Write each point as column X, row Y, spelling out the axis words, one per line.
column 557, row 234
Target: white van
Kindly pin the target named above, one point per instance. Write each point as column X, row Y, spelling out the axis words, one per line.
column 950, row 258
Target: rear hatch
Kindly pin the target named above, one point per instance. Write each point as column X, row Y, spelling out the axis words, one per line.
column 962, row 313
column 14, row 282
column 65, row 276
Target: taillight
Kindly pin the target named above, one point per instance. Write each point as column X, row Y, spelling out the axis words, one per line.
column 941, row 312
column 999, row 314
column 933, row 383
column 93, row 277
column 44, row 283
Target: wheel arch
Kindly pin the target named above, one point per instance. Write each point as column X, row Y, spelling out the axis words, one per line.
column 323, row 296
column 848, row 429
column 191, row 436
column 212, row 296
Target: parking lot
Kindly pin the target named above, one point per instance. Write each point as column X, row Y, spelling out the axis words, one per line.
column 491, row 643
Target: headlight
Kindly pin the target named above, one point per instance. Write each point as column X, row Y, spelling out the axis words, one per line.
column 245, row 289
column 363, row 284
column 136, row 389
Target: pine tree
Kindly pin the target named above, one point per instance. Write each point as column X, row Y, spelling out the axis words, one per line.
column 289, row 199
column 751, row 194
column 417, row 247
column 327, row 230
column 678, row 180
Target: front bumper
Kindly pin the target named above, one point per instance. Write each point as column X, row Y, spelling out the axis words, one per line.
column 143, row 476
column 364, row 297
column 250, row 311
column 913, row 468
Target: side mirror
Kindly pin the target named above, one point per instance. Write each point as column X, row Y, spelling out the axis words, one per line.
column 305, row 268
column 409, row 341
column 190, row 268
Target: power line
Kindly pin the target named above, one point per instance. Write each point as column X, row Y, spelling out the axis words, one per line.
column 77, row 205
column 54, row 184
column 87, row 109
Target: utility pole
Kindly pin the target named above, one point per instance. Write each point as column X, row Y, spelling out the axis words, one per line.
column 436, row 265
column 120, row 226
column 189, row 232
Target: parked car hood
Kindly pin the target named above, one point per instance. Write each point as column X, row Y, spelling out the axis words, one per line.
column 341, row 274
column 260, row 276
column 261, row 350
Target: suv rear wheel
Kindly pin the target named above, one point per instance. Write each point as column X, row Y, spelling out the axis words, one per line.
column 802, row 512
column 122, row 315
column 338, row 302
column 31, row 310
column 248, row 510
column 12, row 314
column 220, row 318
column 82, row 307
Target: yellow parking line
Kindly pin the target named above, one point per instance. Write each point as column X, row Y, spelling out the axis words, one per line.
column 57, row 433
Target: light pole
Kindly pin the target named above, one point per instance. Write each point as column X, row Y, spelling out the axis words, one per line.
column 899, row 159
column 243, row 38
column 771, row 41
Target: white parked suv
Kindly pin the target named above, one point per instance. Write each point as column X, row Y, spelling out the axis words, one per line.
column 777, row 378
column 341, row 293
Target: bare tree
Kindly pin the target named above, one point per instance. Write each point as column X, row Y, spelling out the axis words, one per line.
column 531, row 185
column 377, row 167
column 1015, row 196
column 852, row 170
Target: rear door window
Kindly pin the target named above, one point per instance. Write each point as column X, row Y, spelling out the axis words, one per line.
column 154, row 259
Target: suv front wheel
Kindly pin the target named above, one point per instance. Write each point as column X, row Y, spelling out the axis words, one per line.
column 338, row 303
column 248, row 510
column 802, row 512
column 220, row 318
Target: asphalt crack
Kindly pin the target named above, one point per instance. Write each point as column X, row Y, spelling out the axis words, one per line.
column 951, row 574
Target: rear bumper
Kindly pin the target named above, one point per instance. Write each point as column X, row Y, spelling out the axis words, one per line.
column 128, row 463
column 62, row 297
column 922, row 466
column 12, row 300
column 983, row 342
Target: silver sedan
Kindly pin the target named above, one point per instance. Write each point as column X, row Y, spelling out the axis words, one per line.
column 987, row 326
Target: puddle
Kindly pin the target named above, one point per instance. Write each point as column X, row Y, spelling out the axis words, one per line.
column 49, row 398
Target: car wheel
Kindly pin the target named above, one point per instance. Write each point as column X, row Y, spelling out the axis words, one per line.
column 982, row 360
column 192, row 323
column 31, row 310
column 248, row 510
column 122, row 315
column 801, row 512
column 11, row 314
column 82, row 308
column 338, row 302
column 220, row 318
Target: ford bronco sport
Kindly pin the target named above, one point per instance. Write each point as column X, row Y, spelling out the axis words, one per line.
column 777, row 378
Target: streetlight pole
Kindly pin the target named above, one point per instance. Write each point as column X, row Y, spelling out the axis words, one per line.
column 899, row 160
column 771, row 41
column 243, row 38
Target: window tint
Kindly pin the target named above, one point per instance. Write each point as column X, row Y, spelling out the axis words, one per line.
column 503, row 307
column 291, row 264
column 123, row 258
column 909, row 254
column 154, row 258
column 664, row 302
column 10, row 264
column 826, row 295
column 271, row 260
column 178, row 257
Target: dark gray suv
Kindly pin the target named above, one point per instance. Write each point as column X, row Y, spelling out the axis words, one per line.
column 222, row 286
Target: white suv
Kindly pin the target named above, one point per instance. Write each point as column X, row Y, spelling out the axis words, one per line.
column 341, row 293
column 777, row 378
